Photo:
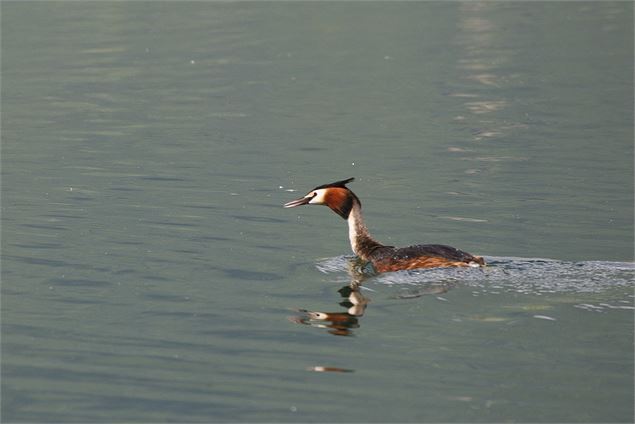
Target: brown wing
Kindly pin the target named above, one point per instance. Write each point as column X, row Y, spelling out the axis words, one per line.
column 423, row 256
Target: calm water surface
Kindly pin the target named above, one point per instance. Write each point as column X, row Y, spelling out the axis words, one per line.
column 149, row 272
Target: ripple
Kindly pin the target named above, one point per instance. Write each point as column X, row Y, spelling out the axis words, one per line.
column 511, row 274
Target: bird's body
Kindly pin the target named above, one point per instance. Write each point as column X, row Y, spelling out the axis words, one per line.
column 384, row 258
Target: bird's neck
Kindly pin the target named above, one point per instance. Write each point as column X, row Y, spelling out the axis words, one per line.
column 361, row 242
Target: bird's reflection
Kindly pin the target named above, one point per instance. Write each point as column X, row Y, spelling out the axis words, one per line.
column 340, row 323
column 337, row 323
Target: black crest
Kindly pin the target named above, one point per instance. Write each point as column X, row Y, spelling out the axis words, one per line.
column 341, row 184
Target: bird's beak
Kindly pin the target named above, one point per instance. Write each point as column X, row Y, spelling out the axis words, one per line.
column 298, row 202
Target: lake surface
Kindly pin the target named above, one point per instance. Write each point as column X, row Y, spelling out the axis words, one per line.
column 150, row 274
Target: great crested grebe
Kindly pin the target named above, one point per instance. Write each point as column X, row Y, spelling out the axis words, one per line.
column 346, row 204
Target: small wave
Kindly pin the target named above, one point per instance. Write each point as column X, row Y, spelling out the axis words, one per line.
column 521, row 275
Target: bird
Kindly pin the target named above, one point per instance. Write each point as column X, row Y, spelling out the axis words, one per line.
column 383, row 258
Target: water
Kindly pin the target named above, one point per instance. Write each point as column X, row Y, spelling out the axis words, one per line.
column 149, row 272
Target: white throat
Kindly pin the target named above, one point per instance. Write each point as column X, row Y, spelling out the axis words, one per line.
column 358, row 233
column 354, row 220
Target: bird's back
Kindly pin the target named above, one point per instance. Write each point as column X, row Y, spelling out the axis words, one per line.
column 422, row 256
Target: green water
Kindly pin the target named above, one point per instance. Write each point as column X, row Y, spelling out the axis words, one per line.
column 150, row 274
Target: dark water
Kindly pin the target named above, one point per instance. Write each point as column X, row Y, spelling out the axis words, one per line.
column 149, row 272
